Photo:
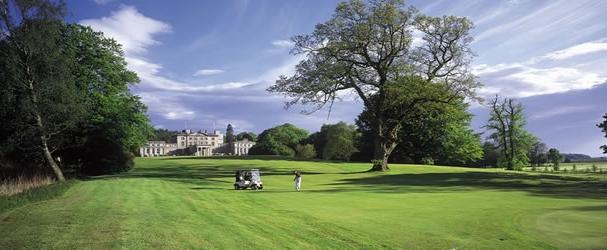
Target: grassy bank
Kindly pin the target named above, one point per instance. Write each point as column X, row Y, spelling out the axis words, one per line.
column 176, row 203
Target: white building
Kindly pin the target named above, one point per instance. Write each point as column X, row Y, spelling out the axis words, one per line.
column 242, row 147
column 197, row 144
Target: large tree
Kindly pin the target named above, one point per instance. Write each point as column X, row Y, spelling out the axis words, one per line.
column 36, row 77
column 603, row 127
column 367, row 49
column 507, row 124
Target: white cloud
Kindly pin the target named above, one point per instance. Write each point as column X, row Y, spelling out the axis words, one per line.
column 282, row 43
column 544, row 74
column 136, row 33
column 560, row 111
column 130, row 28
column 418, row 38
column 519, row 80
column 577, row 50
column 555, row 80
column 208, row 72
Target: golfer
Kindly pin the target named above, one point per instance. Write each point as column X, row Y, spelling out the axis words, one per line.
column 297, row 180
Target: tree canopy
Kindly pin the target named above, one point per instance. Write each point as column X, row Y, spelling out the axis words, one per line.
column 246, row 135
column 366, row 49
column 64, row 90
column 279, row 140
column 440, row 132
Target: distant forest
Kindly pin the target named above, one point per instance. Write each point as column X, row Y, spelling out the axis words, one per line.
column 582, row 158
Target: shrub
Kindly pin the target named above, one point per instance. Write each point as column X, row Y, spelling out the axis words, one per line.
column 427, row 161
column 574, row 168
column 594, row 168
column 556, row 167
column 533, row 168
column 305, row 151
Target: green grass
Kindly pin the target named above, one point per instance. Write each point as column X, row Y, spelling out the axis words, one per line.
column 177, row 203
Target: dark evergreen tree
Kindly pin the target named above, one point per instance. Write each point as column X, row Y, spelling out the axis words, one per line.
column 230, row 138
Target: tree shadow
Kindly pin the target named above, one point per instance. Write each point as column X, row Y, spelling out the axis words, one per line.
column 541, row 185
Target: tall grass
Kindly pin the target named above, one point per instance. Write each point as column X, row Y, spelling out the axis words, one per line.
column 20, row 184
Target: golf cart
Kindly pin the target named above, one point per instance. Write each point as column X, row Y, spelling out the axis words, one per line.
column 248, row 179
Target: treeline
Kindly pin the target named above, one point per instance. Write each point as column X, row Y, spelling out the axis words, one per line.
column 64, row 97
column 440, row 134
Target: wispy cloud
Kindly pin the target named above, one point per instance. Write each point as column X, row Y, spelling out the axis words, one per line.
column 208, row 72
column 558, row 111
column 577, row 50
column 102, row 2
column 282, row 44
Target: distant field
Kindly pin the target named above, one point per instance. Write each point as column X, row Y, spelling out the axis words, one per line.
column 177, row 203
column 599, row 169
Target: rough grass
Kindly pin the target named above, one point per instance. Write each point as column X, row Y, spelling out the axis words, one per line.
column 32, row 195
column 177, row 203
column 20, row 184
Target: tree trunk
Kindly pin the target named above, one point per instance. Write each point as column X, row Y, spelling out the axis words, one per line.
column 42, row 131
column 382, row 151
column 49, row 159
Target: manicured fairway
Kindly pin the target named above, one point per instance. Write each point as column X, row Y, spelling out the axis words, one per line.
column 190, row 203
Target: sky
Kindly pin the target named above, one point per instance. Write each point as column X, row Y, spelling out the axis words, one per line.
column 204, row 64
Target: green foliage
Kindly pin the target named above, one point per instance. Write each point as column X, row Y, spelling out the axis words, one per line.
column 116, row 124
column 246, row 135
column 335, row 141
column 280, row 140
column 438, row 131
column 79, row 88
column 164, row 135
column 305, row 151
column 555, row 157
column 603, row 127
column 537, row 154
column 490, row 155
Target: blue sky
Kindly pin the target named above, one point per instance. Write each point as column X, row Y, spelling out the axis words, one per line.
column 209, row 62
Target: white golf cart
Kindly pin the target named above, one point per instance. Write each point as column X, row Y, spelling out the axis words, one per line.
column 248, row 179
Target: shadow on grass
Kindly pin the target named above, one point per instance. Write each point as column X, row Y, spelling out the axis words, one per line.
column 198, row 173
column 208, row 174
column 542, row 185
